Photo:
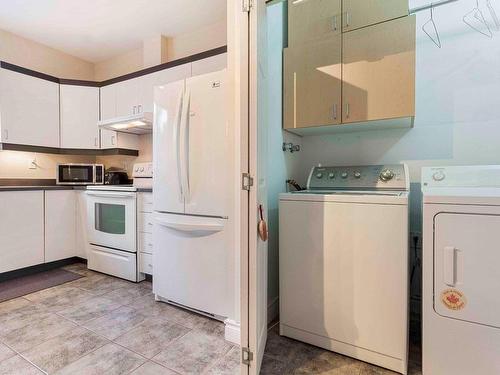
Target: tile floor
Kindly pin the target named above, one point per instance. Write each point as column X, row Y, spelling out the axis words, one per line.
column 102, row 325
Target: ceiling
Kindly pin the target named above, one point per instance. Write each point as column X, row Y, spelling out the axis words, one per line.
column 95, row 30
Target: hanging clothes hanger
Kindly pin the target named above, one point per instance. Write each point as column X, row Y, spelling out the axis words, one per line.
column 431, row 30
column 477, row 14
column 493, row 15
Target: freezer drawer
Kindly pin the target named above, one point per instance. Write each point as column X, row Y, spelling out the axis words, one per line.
column 113, row 262
column 192, row 262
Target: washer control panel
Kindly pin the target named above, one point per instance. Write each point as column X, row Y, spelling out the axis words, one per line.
column 368, row 177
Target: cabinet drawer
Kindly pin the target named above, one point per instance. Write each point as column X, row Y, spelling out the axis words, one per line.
column 146, row 243
column 145, row 222
column 145, row 202
column 146, row 263
column 113, row 262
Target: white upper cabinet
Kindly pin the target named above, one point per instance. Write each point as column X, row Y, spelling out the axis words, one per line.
column 108, row 102
column 209, row 65
column 79, row 117
column 127, row 98
column 29, row 110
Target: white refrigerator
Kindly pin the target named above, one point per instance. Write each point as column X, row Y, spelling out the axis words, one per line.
column 193, row 257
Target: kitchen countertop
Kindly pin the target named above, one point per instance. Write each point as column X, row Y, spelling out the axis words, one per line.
column 57, row 187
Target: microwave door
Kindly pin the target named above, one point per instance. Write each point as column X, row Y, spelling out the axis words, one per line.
column 68, row 174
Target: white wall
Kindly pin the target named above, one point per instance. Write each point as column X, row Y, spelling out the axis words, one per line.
column 280, row 166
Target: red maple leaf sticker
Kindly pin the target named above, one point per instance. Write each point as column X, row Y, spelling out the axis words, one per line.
column 452, row 298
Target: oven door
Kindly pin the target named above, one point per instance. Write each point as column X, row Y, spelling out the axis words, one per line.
column 112, row 219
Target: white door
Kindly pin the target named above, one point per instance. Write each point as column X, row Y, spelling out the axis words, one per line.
column 258, row 193
column 112, row 219
column 207, row 137
column 466, row 260
column 168, row 196
column 30, row 110
column 79, row 109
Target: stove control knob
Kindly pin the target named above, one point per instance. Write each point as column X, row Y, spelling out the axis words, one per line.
column 331, row 175
column 438, row 176
column 357, row 174
column 319, row 175
column 386, row 175
column 344, row 175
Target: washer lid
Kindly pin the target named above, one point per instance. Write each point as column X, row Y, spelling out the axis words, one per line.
column 342, row 196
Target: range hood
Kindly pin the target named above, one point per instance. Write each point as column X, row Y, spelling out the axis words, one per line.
column 141, row 123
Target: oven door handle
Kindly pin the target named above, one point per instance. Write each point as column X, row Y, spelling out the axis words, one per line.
column 111, row 195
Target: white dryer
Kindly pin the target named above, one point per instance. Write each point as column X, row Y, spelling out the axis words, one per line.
column 461, row 270
column 344, row 263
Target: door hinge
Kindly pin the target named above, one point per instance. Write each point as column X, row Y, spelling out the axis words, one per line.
column 246, row 356
column 246, row 181
column 246, row 5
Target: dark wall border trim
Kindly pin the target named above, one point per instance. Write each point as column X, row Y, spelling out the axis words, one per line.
column 29, row 72
column 139, row 73
column 68, row 151
column 39, row 268
column 170, row 64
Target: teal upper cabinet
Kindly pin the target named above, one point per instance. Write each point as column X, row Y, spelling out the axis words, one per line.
column 312, row 20
column 361, row 13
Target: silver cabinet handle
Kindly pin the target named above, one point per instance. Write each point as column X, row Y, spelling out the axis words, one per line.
column 334, row 112
column 134, row 109
column 347, row 19
column 347, row 110
column 95, row 141
column 334, row 23
column 139, row 108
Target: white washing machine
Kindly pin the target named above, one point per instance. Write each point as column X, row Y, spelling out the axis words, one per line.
column 344, row 263
column 461, row 270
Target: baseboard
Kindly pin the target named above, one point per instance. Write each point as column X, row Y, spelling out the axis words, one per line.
column 232, row 331
column 40, row 268
column 273, row 310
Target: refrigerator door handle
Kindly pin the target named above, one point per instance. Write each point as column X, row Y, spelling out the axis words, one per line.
column 186, row 227
column 178, row 121
column 184, row 153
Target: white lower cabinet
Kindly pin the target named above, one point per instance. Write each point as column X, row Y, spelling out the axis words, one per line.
column 21, row 229
column 60, row 224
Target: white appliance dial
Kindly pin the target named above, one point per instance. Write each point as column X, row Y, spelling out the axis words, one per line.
column 319, row 175
column 357, row 174
column 438, row 176
column 344, row 175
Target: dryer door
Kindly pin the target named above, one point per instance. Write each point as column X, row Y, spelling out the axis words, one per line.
column 467, row 267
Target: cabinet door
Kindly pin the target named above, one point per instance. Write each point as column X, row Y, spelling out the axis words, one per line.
column 379, row 71
column 108, row 102
column 29, row 110
column 60, row 225
column 127, row 97
column 81, row 240
column 312, row 84
column 21, row 229
column 313, row 20
column 209, row 65
column 79, row 117
column 360, row 13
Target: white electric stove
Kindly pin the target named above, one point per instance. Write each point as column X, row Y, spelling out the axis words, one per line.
column 112, row 225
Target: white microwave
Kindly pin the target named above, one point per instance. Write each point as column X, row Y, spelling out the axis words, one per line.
column 80, row 174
